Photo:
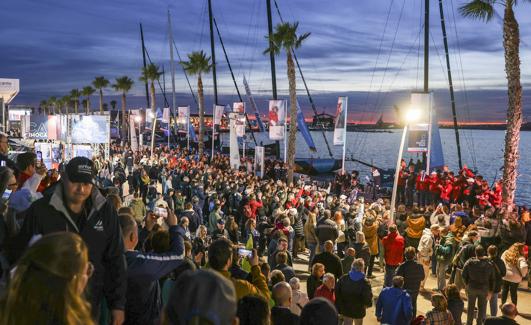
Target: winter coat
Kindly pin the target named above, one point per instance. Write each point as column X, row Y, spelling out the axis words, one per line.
column 446, row 248
column 415, row 226
column 413, row 274
column 309, row 234
column 326, row 230
column 353, row 295
column 331, row 262
column 312, row 284
column 139, row 209
column 257, row 286
column 515, row 273
column 283, row 315
column 389, row 311
column 426, row 243
column 194, row 219
column 479, row 274
column 362, row 251
column 393, row 249
column 500, row 271
column 371, row 236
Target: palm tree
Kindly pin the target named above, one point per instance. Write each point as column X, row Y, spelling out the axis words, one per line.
column 113, row 104
column 149, row 74
column 197, row 64
column 87, row 92
column 484, row 10
column 285, row 37
column 99, row 83
column 123, row 84
column 44, row 106
column 74, row 96
column 65, row 100
column 52, row 103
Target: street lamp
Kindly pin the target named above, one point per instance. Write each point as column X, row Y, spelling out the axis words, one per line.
column 413, row 114
column 138, row 120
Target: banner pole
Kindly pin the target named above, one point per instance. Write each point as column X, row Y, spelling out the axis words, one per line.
column 345, row 104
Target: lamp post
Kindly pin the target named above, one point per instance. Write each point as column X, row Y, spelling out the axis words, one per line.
column 138, row 120
column 410, row 116
column 153, row 125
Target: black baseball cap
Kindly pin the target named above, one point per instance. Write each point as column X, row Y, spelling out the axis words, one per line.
column 80, row 170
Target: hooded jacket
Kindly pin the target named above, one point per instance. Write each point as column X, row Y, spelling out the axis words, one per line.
column 425, row 248
column 353, row 295
column 393, row 248
column 371, row 236
column 415, row 226
column 100, row 232
column 413, row 274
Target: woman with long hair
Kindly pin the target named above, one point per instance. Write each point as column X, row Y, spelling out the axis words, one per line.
column 310, row 235
column 48, row 284
column 439, row 315
column 341, row 240
column 455, row 302
column 516, row 269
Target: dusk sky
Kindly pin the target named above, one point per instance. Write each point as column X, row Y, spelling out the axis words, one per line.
column 53, row 46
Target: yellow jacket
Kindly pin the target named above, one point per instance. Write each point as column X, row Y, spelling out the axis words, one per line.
column 257, row 286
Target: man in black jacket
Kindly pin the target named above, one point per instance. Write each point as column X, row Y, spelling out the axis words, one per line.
column 76, row 205
column 353, row 294
column 413, row 274
column 281, row 313
column 143, row 305
column 479, row 277
column 326, row 229
column 330, row 260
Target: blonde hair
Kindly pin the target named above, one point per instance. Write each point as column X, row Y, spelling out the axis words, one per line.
column 512, row 254
column 46, row 284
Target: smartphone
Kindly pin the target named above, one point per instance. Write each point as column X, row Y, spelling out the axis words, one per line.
column 39, row 155
column 3, row 163
column 7, row 194
column 161, row 212
column 245, row 252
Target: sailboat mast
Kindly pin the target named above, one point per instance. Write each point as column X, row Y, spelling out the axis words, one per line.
column 213, row 51
column 451, row 85
column 172, row 65
column 426, row 44
column 271, row 54
column 144, row 62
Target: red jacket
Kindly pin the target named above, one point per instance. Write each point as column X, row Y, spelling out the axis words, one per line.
column 446, row 191
column 496, row 196
column 393, row 248
column 255, row 205
column 324, row 292
column 421, row 185
column 434, row 184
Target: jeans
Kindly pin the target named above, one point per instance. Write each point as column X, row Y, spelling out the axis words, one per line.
column 409, row 196
column 441, row 274
column 509, row 287
column 350, row 321
column 494, row 304
column 481, row 297
column 389, row 274
column 414, row 296
column 459, row 283
column 434, row 265
column 425, row 261
column 312, row 248
column 371, row 265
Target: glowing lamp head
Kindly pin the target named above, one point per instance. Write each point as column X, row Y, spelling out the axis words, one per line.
column 138, row 119
column 151, row 115
column 412, row 115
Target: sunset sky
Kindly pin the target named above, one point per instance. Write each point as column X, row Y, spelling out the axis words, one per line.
column 53, row 46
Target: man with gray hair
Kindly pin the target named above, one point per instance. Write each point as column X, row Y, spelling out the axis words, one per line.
column 509, row 313
column 326, row 290
column 353, row 294
column 281, row 313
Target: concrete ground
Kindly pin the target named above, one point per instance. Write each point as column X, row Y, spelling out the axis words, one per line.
column 423, row 301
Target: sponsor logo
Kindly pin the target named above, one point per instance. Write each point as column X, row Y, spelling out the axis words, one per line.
column 98, row 226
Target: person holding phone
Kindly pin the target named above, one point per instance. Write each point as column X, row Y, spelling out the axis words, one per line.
column 4, row 150
column 31, row 174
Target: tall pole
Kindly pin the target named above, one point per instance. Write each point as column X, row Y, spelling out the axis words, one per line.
column 426, row 44
column 273, row 68
column 143, row 112
column 397, row 172
column 172, row 68
column 213, row 51
column 451, row 85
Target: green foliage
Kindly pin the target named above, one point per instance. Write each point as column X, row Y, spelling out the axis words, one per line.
column 150, row 73
column 123, row 84
column 285, row 37
column 197, row 64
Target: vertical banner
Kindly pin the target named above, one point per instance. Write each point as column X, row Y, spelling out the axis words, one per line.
column 340, row 129
column 253, row 105
column 259, row 161
column 165, row 115
column 234, row 149
column 132, row 131
column 218, row 113
column 417, row 138
column 239, row 108
column 277, row 119
column 303, row 128
column 183, row 119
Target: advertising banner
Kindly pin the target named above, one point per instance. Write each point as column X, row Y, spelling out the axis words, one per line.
column 45, row 127
column 165, row 115
column 340, row 129
column 83, row 150
column 239, row 108
column 182, row 119
column 417, row 138
column 218, row 114
column 90, row 129
column 277, row 119
column 259, row 161
column 234, row 149
column 303, row 128
column 253, row 105
column 133, row 130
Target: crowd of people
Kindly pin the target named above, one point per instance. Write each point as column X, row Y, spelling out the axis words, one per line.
column 175, row 238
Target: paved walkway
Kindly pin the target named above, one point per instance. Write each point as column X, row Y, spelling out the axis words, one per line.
column 423, row 300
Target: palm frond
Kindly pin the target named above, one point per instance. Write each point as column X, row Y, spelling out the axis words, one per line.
column 478, row 9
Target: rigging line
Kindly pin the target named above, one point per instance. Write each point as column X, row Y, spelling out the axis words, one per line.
column 376, row 106
column 421, row 25
column 460, row 65
column 445, row 76
column 185, row 74
column 305, row 85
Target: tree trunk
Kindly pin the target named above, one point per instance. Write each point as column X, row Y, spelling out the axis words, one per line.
column 511, row 44
column 76, row 103
column 201, row 115
column 88, row 106
column 154, row 121
column 293, row 117
column 125, row 120
column 101, row 101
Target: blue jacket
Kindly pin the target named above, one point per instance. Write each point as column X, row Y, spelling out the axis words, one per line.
column 143, row 304
column 394, row 307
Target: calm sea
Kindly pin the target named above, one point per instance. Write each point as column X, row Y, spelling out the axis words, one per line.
column 481, row 149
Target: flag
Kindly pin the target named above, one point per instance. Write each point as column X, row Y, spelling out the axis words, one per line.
column 253, row 104
column 340, row 129
column 301, row 124
column 277, row 119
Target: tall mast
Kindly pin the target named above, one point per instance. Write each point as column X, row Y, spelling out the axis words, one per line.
column 172, row 67
column 452, row 96
column 144, row 61
column 426, row 44
column 271, row 54
column 213, row 51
